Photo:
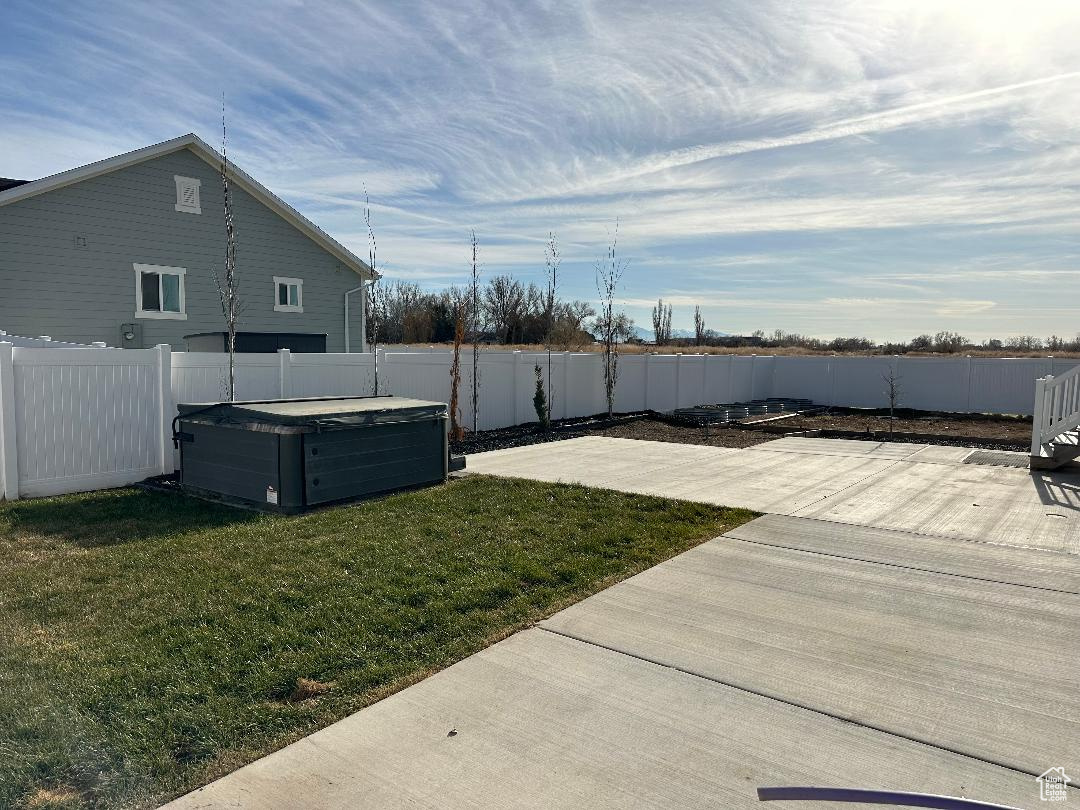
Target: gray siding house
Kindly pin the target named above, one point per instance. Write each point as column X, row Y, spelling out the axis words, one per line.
column 123, row 251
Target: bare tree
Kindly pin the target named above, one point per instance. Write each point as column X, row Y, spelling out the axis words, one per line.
column 405, row 312
column 569, row 333
column 474, row 295
column 949, row 342
column 228, row 286
column 375, row 303
column 552, row 258
column 456, row 429
column 699, row 327
column 892, row 391
column 504, row 300
column 661, row 322
column 609, row 271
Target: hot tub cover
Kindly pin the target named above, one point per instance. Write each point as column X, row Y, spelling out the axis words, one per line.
column 303, row 415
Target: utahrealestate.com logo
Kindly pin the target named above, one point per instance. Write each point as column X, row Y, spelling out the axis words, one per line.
column 1053, row 785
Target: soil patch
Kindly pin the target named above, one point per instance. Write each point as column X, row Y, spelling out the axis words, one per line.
column 655, row 430
column 1003, row 429
column 921, row 427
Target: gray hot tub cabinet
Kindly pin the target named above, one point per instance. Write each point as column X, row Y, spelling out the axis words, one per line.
column 288, row 455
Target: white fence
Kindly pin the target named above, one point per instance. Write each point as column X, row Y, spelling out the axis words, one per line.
column 46, row 342
column 82, row 420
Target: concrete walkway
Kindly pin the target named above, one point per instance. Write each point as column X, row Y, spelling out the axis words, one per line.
column 792, row 651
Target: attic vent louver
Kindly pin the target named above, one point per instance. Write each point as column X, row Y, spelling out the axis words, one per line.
column 187, row 195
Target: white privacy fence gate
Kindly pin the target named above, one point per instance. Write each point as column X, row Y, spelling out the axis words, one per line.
column 81, row 420
column 96, row 418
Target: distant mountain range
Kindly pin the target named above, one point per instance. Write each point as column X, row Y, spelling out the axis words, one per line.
column 641, row 333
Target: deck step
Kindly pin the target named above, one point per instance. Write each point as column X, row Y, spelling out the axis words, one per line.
column 1064, row 449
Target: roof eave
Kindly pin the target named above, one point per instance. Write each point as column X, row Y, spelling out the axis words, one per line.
column 211, row 156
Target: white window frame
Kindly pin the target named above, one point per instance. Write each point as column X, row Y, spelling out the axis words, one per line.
column 160, row 270
column 296, row 282
column 183, row 183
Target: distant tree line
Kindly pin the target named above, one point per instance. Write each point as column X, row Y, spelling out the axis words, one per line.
column 513, row 313
column 509, row 313
column 943, row 342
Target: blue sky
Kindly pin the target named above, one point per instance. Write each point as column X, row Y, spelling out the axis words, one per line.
column 871, row 168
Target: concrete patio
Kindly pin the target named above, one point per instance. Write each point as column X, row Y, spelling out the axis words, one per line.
column 913, row 487
column 855, row 636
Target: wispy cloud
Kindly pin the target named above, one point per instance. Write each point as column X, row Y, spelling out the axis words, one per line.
column 827, row 167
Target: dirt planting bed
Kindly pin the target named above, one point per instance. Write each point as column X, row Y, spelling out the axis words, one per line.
column 655, row 430
column 997, row 432
column 1012, row 430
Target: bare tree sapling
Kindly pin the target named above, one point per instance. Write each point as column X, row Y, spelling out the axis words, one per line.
column 474, row 318
column 611, row 326
column 892, row 391
column 456, row 429
column 552, row 258
column 228, row 286
column 374, row 296
column 699, row 327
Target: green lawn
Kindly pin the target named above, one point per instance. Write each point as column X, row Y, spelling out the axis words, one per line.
column 150, row 642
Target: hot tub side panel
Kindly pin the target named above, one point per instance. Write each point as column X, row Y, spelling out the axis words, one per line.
column 242, row 464
column 351, row 463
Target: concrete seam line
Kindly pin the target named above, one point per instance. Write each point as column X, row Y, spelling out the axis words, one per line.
column 845, row 489
column 787, row 702
column 1040, row 549
column 899, row 565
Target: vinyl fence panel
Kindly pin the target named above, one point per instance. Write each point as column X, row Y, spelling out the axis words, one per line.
column 337, row 375
column 203, row 376
column 804, row 377
column 862, row 382
column 88, row 419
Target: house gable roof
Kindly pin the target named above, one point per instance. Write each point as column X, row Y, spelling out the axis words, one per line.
column 209, row 154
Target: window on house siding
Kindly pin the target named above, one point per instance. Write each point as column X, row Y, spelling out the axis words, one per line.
column 159, row 292
column 151, row 291
column 288, row 294
column 187, row 194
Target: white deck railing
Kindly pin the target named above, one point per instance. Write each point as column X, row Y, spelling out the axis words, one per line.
column 1057, row 409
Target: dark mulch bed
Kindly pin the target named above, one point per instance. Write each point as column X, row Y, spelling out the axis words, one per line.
column 961, row 430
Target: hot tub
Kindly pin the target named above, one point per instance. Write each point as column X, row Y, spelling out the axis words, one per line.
column 291, row 454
